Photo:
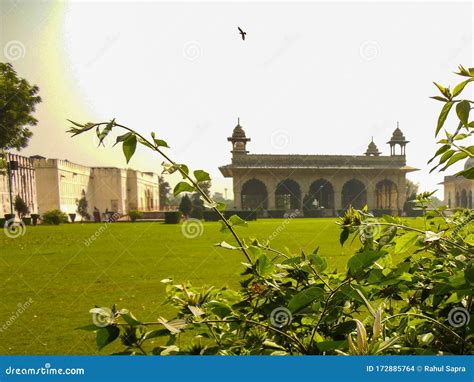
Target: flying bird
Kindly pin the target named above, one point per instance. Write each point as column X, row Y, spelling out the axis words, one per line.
column 242, row 33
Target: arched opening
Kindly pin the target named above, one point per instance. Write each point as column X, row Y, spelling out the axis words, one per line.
column 354, row 193
column 469, row 200
column 321, row 195
column 386, row 195
column 464, row 198
column 288, row 195
column 254, row 195
column 458, row 200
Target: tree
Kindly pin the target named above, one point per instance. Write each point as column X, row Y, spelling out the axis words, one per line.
column 186, row 206
column 198, row 206
column 458, row 142
column 82, row 208
column 17, row 104
column 411, row 189
column 21, row 207
column 164, row 189
column 206, row 187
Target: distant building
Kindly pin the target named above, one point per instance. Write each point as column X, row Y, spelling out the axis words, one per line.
column 23, row 183
column 60, row 184
column 325, row 184
column 458, row 190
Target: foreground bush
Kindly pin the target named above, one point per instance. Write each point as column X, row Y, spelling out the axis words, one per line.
column 55, row 217
column 291, row 303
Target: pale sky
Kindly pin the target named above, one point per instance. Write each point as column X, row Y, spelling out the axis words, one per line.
column 311, row 78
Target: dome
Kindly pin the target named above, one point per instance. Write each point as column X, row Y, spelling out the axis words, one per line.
column 397, row 136
column 469, row 163
column 238, row 132
column 372, row 149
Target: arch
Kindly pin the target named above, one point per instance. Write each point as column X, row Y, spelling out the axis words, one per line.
column 386, row 195
column 254, row 195
column 354, row 193
column 458, row 199
column 463, row 198
column 321, row 194
column 288, row 195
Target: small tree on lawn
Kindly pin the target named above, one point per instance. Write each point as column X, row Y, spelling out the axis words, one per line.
column 82, row 208
column 164, row 190
column 186, row 206
column 21, row 207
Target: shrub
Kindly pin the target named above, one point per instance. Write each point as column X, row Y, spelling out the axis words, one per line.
column 55, row 217
column 134, row 215
column 21, row 207
column 172, row 217
column 82, row 206
column 185, row 206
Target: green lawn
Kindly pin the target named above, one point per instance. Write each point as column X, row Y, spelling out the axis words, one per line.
column 65, row 278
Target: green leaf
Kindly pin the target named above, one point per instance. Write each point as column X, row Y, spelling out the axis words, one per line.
column 344, row 236
column 105, row 131
column 443, row 115
column 305, row 298
column 182, row 187
column 455, row 158
column 155, row 333
column 440, row 151
column 362, row 260
column 129, row 318
column 460, row 87
column 438, row 98
column 201, row 176
column 160, row 143
column 318, row 262
column 129, row 146
column 468, row 174
column 405, row 242
column 237, row 220
column 106, row 335
column 444, row 91
column 122, row 138
column 184, row 170
column 264, row 266
column 462, row 110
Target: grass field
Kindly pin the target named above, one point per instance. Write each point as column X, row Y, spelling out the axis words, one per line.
column 62, row 277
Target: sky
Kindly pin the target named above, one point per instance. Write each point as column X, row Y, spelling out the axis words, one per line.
column 310, row 78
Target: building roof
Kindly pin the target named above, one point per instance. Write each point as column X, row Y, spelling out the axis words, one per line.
column 330, row 162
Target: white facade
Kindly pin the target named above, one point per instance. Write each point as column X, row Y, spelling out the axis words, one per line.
column 60, row 184
column 22, row 182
